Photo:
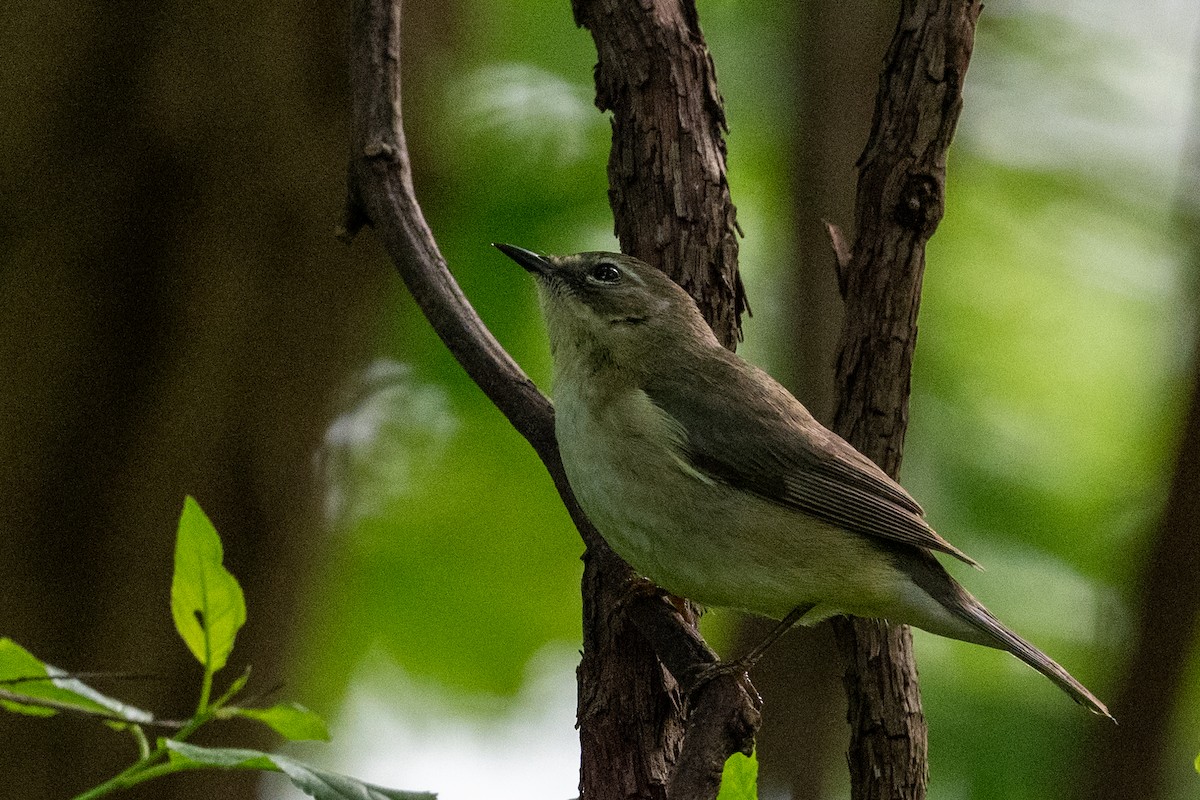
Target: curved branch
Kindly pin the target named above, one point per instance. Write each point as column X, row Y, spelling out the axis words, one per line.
column 381, row 194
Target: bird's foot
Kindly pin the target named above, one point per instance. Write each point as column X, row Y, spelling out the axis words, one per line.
column 742, row 666
column 702, row 676
column 785, row 625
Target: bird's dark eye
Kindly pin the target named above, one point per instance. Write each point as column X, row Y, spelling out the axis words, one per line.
column 605, row 272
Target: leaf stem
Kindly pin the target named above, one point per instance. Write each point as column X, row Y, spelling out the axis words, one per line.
column 142, row 742
column 205, row 691
column 151, row 765
column 124, row 778
column 144, row 770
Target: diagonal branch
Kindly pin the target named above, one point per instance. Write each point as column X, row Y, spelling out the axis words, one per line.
column 381, row 194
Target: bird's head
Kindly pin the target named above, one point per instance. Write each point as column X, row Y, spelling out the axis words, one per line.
column 609, row 308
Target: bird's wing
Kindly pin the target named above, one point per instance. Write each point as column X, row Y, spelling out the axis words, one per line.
column 756, row 437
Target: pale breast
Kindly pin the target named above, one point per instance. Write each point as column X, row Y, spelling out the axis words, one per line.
column 621, row 457
column 698, row 537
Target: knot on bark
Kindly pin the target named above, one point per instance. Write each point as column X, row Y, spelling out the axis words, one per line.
column 919, row 206
column 378, row 148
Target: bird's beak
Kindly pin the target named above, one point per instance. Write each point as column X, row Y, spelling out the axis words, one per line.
column 528, row 259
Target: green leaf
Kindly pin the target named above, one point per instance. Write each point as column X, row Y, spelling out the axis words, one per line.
column 237, row 684
column 325, row 785
column 318, row 783
column 290, row 719
column 739, row 781
column 190, row 755
column 1197, row 764
column 23, row 673
column 206, row 600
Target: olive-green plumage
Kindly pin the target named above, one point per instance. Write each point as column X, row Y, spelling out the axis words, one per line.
column 710, row 479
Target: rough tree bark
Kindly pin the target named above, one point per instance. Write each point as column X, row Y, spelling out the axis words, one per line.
column 666, row 172
column 900, row 201
column 671, row 208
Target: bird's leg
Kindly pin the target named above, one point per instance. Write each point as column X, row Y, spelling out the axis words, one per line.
column 785, row 625
column 747, row 662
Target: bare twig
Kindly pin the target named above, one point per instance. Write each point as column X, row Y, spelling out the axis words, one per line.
column 901, row 189
column 107, row 716
column 113, row 676
column 841, row 254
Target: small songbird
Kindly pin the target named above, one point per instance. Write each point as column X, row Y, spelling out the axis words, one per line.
column 711, row 480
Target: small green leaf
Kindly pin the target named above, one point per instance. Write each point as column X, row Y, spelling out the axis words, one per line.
column 237, row 684
column 289, row 719
column 206, row 600
column 1197, row 764
column 190, row 755
column 318, row 783
column 739, row 781
column 331, row 786
column 23, row 673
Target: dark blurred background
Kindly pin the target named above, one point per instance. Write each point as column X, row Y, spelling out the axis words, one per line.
column 177, row 317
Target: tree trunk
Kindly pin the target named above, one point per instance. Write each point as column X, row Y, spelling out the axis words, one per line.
column 1131, row 760
column 899, row 203
column 672, row 209
column 176, row 320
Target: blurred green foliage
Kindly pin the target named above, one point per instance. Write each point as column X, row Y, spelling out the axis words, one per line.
column 1045, row 392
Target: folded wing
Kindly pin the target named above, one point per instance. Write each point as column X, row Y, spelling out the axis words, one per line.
column 776, row 450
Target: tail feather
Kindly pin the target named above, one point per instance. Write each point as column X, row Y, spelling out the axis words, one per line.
column 983, row 628
column 973, row 612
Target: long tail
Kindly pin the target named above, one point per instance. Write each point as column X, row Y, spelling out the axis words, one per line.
column 973, row 612
column 983, row 628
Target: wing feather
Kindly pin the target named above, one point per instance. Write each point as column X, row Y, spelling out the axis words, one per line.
column 768, row 444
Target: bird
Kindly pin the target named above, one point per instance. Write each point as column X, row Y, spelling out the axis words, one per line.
column 712, row 481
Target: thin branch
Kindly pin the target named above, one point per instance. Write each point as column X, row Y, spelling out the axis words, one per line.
column 106, row 716
column 899, row 203
column 115, row 676
column 381, row 193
